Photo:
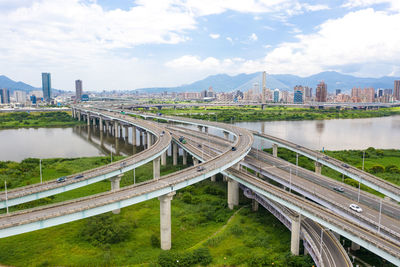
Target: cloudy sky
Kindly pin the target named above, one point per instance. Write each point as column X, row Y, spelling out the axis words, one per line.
column 127, row 44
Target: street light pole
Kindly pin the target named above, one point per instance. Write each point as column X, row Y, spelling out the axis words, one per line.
column 297, row 162
column 5, row 188
column 359, row 185
column 363, row 160
column 290, row 180
column 40, row 168
column 380, row 214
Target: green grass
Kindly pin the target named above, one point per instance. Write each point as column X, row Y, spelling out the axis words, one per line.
column 37, row 119
column 200, row 219
column 254, row 113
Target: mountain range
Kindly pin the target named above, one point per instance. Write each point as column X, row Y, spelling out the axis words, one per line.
column 243, row 82
column 226, row 83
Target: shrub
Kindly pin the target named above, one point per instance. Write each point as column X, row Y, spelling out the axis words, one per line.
column 104, row 229
column 377, row 169
column 154, row 241
column 392, row 169
column 200, row 256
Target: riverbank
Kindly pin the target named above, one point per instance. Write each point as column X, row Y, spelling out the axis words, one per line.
column 204, row 230
column 37, row 119
column 249, row 113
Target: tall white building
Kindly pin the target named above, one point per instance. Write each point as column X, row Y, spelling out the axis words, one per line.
column 20, row 97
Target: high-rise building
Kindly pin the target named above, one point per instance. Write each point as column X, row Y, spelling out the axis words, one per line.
column 298, row 97
column 78, row 90
column 321, row 92
column 4, row 96
column 20, row 97
column 264, row 87
column 276, row 95
column 46, row 86
column 338, row 91
column 396, row 90
column 307, row 93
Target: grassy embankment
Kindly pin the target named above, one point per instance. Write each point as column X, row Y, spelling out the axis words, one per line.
column 249, row 113
column 204, row 230
column 37, row 119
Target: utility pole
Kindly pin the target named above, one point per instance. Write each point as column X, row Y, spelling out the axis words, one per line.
column 40, row 168
column 5, row 188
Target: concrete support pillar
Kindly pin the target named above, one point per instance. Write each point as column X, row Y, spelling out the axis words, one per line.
column 233, row 193
column 174, row 154
column 115, row 129
column 355, row 246
column 254, row 205
column 205, row 129
column 275, row 150
column 164, row 158
column 145, row 139
column 226, row 135
column 88, row 119
column 224, row 178
column 165, row 220
column 115, row 185
column 295, row 238
column 133, row 135
column 79, row 116
column 184, row 157
column 195, row 161
column 200, row 128
column 101, row 138
column 318, row 167
column 120, row 130
column 156, row 168
column 149, row 140
column 101, row 124
column 126, row 132
column 213, row 178
column 141, row 138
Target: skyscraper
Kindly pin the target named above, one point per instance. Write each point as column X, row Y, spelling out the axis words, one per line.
column 396, row 91
column 46, row 86
column 78, row 90
column 276, row 95
column 4, row 96
column 321, row 92
column 298, row 97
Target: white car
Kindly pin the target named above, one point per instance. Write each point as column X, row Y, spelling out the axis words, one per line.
column 355, row 208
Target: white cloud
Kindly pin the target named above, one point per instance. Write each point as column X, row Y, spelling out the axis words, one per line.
column 229, row 39
column 393, row 4
column 253, row 37
column 308, row 7
column 355, row 43
column 363, row 39
column 214, row 35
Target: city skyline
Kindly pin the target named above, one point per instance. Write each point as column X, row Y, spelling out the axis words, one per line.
column 120, row 45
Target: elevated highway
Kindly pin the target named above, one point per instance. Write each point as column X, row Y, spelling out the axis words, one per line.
column 163, row 187
column 376, row 183
column 36, row 191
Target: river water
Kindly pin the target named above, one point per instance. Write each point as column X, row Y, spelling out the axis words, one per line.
column 18, row 144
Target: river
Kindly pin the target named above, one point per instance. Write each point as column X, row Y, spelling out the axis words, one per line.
column 384, row 132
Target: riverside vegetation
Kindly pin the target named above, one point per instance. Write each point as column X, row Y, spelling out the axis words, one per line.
column 253, row 113
column 36, row 119
column 204, row 230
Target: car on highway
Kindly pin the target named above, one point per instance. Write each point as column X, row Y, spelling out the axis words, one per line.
column 199, row 145
column 345, row 165
column 78, row 177
column 338, row 188
column 355, row 207
column 233, row 148
column 200, row 168
column 61, row 179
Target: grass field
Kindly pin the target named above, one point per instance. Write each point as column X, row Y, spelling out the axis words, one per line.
column 253, row 113
column 37, row 119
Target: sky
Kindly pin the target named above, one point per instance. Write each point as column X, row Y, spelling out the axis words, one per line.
column 129, row 44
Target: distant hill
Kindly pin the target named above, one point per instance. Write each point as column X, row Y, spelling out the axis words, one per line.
column 6, row 82
column 226, row 83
